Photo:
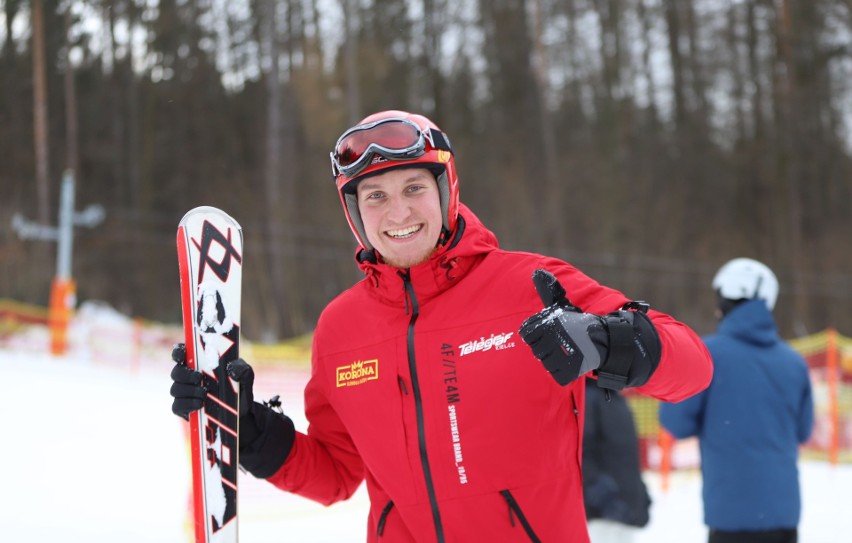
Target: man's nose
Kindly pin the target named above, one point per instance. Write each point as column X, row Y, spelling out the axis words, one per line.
column 398, row 209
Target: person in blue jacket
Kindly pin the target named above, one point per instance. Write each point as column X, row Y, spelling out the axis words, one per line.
column 752, row 418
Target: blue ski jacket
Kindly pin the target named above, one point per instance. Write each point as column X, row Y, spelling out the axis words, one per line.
column 750, row 422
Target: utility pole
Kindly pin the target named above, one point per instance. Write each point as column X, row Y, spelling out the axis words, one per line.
column 63, row 291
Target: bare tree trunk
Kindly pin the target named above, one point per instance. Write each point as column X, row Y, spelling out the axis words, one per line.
column 647, row 71
column 786, row 97
column 134, row 121
column 292, row 149
column 42, row 158
column 350, row 59
column 698, row 84
column 72, row 160
column 553, row 205
column 676, row 237
column 674, row 32
column 611, row 104
column 514, row 121
column 434, row 15
column 738, row 91
column 277, row 239
column 757, row 102
column 313, row 45
column 116, row 122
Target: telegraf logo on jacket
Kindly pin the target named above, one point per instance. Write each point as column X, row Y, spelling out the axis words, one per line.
column 357, row 373
column 497, row 342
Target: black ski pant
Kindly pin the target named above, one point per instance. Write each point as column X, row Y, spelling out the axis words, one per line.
column 784, row 535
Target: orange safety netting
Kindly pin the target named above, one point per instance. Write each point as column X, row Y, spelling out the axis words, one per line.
column 829, row 357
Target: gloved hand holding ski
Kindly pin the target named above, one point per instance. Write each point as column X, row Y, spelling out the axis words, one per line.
column 187, row 389
column 265, row 434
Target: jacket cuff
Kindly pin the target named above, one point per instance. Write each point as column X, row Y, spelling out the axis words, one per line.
column 266, row 438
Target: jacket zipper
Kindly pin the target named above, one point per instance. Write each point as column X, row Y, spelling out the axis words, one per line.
column 515, row 510
column 418, row 404
column 380, row 528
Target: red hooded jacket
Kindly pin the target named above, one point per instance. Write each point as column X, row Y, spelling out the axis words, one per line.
column 421, row 384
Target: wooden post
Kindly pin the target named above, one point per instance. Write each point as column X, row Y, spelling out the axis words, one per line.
column 833, row 408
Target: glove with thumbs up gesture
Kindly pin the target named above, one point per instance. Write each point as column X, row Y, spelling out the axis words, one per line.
column 622, row 348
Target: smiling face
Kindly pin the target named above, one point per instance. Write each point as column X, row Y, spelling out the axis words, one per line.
column 401, row 212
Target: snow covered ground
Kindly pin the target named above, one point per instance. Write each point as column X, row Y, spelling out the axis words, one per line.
column 92, row 453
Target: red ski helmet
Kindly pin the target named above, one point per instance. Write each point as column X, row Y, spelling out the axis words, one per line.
column 391, row 140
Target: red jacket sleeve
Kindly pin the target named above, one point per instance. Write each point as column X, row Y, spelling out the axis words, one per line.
column 324, row 464
column 685, row 365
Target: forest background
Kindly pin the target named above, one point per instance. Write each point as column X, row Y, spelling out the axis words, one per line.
column 645, row 141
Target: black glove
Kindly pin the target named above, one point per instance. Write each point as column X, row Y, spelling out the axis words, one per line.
column 623, row 347
column 187, row 390
column 241, row 372
column 567, row 341
column 266, row 434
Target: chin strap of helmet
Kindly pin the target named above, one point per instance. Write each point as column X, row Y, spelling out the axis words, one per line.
column 447, row 236
column 366, row 255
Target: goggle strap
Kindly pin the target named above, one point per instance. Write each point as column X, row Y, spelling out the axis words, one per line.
column 440, row 141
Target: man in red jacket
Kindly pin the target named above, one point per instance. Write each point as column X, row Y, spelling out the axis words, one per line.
column 427, row 378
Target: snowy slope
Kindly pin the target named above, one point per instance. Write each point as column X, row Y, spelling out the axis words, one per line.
column 93, row 453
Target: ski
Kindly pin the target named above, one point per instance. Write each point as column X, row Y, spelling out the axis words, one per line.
column 210, row 247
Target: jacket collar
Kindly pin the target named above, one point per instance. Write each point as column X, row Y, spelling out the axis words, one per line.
column 752, row 322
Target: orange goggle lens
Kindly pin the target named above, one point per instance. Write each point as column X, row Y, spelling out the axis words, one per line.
column 392, row 139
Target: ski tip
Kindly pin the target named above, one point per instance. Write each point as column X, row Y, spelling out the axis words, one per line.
column 207, row 210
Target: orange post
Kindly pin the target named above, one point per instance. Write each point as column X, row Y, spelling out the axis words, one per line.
column 833, row 408
column 63, row 298
column 666, row 443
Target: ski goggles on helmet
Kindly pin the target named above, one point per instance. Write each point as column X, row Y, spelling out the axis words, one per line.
column 390, row 139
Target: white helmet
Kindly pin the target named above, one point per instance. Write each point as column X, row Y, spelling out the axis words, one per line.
column 746, row 279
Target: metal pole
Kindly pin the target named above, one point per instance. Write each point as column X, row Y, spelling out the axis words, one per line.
column 66, row 227
column 63, row 291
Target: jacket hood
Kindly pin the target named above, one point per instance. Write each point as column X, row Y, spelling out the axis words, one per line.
column 751, row 322
column 470, row 242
